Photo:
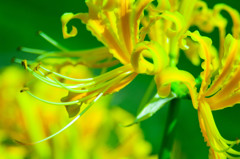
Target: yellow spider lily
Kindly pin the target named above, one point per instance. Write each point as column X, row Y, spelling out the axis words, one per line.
column 166, row 22
column 117, row 25
column 215, row 94
column 219, row 89
column 183, row 15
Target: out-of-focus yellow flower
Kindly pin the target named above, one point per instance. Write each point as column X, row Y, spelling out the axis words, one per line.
column 98, row 135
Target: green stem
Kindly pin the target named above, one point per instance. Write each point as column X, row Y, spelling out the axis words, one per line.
column 168, row 134
column 147, row 95
column 174, row 51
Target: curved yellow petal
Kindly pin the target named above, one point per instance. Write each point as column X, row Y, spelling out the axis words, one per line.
column 66, row 17
column 172, row 74
column 110, row 4
column 178, row 22
column 205, row 54
column 138, row 8
column 224, row 103
column 202, row 14
column 192, row 52
column 217, row 143
column 186, row 10
column 109, row 38
column 163, row 5
column 234, row 15
column 228, row 90
column 124, row 23
column 231, row 53
column 102, row 25
column 150, row 50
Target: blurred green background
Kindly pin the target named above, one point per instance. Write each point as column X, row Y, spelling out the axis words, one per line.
column 19, row 23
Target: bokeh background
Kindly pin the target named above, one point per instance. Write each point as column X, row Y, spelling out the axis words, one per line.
column 19, row 23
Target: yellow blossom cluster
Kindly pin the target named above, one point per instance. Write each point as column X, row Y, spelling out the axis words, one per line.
column 146, row 37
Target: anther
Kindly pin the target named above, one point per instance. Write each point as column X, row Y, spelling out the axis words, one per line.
column 24, row 64
column 39, row 32
column 24, row 89
column 22, row 143
column 13, row 60
column 37, row 67
column 48, row 73
column 238, row 141
column 19, row 48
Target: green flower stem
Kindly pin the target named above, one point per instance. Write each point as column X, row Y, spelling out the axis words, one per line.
column 147, row 95
column 168, row 134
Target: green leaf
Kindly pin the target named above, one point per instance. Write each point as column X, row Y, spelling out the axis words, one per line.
column 152, row 107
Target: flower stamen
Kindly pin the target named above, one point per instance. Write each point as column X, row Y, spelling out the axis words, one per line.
column 52, row 41
column 31, row 50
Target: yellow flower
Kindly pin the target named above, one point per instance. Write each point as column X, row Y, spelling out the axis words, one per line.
column 220, row 79
column 97, row 135
column 219, row 89
column 167, row 21
column 178, row 16
column 117, row 25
